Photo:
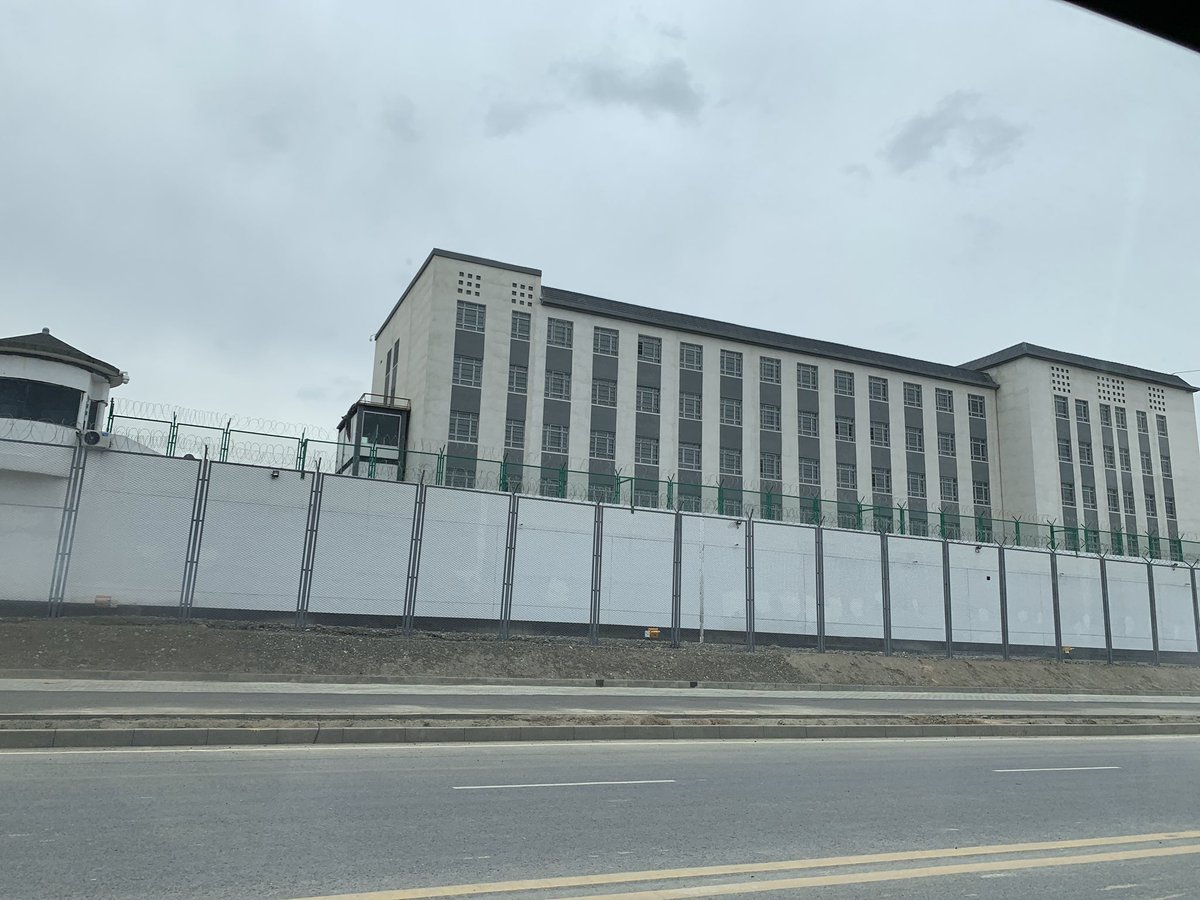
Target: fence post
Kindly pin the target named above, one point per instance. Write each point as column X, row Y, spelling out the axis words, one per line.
column 597, row 562
column 414, row 556
column 308, row 557
column 886, row 589
column 510, row 562
column 1058, row 654
column 66, row 530
column 191, row 559
column 947, row 609
column 1153, row 609
column 750, row 581
column 820, row 585
column 1003, row 576
column 1108, row 647
column 677, row 578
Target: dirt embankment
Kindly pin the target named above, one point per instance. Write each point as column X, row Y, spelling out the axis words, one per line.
column 152, row 645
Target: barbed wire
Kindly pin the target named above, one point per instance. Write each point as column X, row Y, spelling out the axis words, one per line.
column 209, row 419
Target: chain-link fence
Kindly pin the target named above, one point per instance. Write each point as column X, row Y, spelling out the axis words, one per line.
column 84, row 528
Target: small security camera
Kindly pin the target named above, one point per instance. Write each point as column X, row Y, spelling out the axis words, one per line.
column 274, row 473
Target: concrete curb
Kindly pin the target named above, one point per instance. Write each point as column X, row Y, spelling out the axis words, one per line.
column 292, row 678
column 40, row 738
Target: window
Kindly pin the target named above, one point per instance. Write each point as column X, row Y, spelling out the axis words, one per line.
column 645, row 451
column 769, row 370
column 554, row 438
column 604, row 392
column 847, row 476
column 981, row 492
column 731, row 411
column 731, row 461
column 843, row 428
column 598, row 493
column 877, row 388
column 514, row 435
column 1130, row 506
column 471, row 316
column 843, row 383
column 1061, row 408
column 943, row 399
column 464, row 427
column 881, row 481
column 1068, row 493
column 1064, row 449
column 1126, row 464
column 558, row 385
column 1162, row 424
column 1143, row 422
column 809, row 424
column 770, row 466
column 605, row 341
column 520, row 326
column 810, row 470
column 946, row 443
column 1110, row 457
column 1151, row 507
column 806, row 376
column 468, row 371
column 1119, row 416
column 1166, row 465
column 648, row 400
column 1088, row 494
column 603, row 445
column 912, row 394
column 689, row 406
column 1085, row 454
column 1081, row 411
column 1169, row 503
column 914, row 438
column 689, row 502
column 460, row 478
column 560, row 333
column 880, row 434
column 647, row 497
column 770, row 417
column 689, row 457
column 518, row 379
column 1114, row 500
column 1105, row 414
column 731, row 363
column 949, row 486
column 691, row 357
column 649, row 349
column 976, row 406
column 1147, row 465
column 916, row 485
column 979, row 449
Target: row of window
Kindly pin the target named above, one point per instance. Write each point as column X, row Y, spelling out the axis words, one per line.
column 607, row 342
column 1087, row 494
column 1108, row 415
column 1111, row 455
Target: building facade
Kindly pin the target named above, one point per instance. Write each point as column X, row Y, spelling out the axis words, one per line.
column 596, row 399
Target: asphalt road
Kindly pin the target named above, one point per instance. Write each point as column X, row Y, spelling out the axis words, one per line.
column 321, row 821
column 100, row 697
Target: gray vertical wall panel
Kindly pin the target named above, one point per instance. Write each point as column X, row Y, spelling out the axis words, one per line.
column 1129, row 605
column 552, row 572
column 1030, row 601
column 915, row 570
column 361, row 561
column 1080, row 600
column 785, row 592
column 462, row 555
column 975, row 594
column 714, row 574
column 853, row 587
column 1173, row 600
column 636, row 573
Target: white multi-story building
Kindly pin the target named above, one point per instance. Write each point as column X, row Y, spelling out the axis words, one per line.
column 607, row 400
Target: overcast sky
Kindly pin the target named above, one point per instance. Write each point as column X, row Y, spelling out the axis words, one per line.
column 226, row 199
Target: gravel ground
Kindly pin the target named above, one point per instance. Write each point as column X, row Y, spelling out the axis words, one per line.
column 116, row 643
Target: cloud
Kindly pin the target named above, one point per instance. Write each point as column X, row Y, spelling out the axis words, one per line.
column 857, row 170
column 509, row 117
column 664, row 87
column 954, row 136
column 399, row 119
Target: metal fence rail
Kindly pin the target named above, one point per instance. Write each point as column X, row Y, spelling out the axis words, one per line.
column 206, row 537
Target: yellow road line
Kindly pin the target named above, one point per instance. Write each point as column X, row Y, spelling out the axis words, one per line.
column 813, row 881
column 576, row 881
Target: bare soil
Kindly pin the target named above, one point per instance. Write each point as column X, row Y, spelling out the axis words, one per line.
column 146, row 644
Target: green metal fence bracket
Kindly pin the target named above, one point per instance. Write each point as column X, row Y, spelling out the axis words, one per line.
column 172, row 436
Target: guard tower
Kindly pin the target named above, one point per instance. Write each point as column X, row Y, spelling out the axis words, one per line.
column 372, row 436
